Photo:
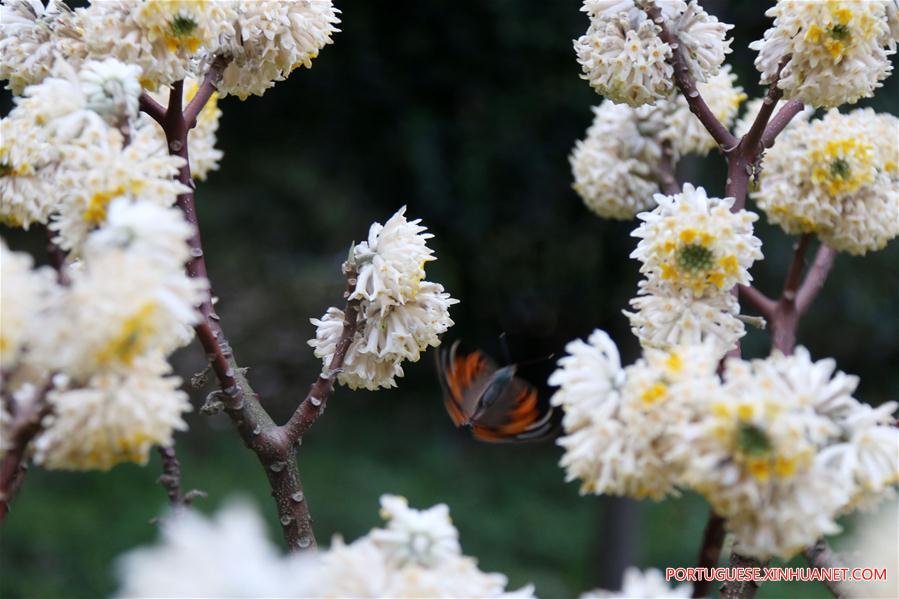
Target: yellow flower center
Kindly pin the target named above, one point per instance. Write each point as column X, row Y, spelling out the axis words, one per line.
column 132, row 338
column 842, row 166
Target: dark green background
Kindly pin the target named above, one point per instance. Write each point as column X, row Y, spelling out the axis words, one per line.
column 465, row 111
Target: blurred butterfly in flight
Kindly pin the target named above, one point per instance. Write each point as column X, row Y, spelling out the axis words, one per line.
column 495, row 404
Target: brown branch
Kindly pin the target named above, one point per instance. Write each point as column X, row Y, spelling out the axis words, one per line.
column 154, row 109
column 764, row 304
column 752, row 140
column 710, row 552
column 780, row 121
column 170, row 479
column 820, row 555
column 740, row 589
column 685, row 82
column 314, row 404
column 208, row 87
column 815, row 278
column 664, row 172
column 24, row 428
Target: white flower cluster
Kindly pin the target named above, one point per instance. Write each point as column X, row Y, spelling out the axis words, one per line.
column 416, row 555
column 624, row 59
column 837, row 177
column 615, row 166
column 839, row 49
column 103, row 337
column 168, row 40
column 650, row 584
column 73, row 143
column 693, row 250
column 399, row 316
column 779, row 447
column 32, row 35
column 271, row 38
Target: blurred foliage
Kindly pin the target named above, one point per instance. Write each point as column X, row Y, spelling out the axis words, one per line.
column 466, row 112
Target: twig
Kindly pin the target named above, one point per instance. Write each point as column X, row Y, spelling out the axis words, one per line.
column 815, row 278
column 710, row 552
column 685, row 82
column 24, row 429
column 794, row 274
column 820, row 555
column 752, row 140
column 740, row 589
column 170, row 479
column 780, row 121
column 154, row 109
column 314, row 403
column 664, row 172
column 209, row 86
column 764, row 304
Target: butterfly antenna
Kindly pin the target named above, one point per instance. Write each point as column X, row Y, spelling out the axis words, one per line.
column 504, row 346
column 537, row 360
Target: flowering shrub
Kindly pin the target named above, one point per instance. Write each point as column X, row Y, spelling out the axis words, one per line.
column 115, row 121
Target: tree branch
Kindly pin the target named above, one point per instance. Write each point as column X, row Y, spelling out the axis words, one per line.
column 764, row 304
column 209, row 86
column 685, row 82
column 752, row 140
column 820, row 555
column 170, row 479
column 710, row 552
column 780, row 121
column 664, row 172
column 742, row 589
column 154, row 109
column 815, row 278
column 24, row 428
column 314, row 404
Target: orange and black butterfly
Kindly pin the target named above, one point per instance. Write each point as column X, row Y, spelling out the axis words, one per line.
column 495, row 404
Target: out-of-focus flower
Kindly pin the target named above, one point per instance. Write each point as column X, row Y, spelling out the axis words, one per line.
column 163, row 37
column 268, row 39
column 873, row 545
column 115, row 417
column 837, row 177
column 624, row 60
column 184, row 564
column 32, row 35
column 111, row 89
column 23, row 294
column 839, row 50
column 614, row 166
column 400, row 315
column 694, row 242
column 650, row 584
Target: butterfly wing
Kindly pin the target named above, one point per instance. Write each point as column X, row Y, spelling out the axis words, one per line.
column 464, row 379
column 515, row 415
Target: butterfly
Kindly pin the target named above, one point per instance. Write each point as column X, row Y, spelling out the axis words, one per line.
column 495, row 404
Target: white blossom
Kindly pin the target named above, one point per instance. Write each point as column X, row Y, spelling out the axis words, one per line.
column 164, row 38
column 115, row 417
column 24, row 294
column 693, row 242
column 664, row 318
column 399, row 314
column 614, row 165
column 268, row 39
column 185, row 563
column 839, row 50
column 649, row 584
column 624, row 59
column 32, row 35
column 838, row 177
column 112, row 89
